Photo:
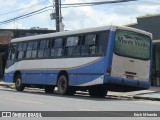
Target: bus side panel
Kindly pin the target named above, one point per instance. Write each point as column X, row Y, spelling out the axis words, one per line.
column 89, row 74
column 51, row 78
column 35, row 76
column 9, row 74
column 25, row 77
column 8, row 77
column 72, row 79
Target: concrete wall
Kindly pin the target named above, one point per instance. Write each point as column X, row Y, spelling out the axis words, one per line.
column 150, row 24
column 5, row 37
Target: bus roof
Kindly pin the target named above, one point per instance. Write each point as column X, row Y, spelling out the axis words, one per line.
column 64, row 33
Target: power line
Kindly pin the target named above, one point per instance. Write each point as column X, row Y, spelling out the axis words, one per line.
column 45, row 1
column 27, row 16
column 64, row 6
column 22, row 16
column 99, row 3
column 35, row 13
column 94, row 3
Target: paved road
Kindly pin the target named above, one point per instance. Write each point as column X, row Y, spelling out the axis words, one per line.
column 37, row 100
column 11, row 100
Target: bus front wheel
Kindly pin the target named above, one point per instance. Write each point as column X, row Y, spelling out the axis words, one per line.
column 18, row 83
column 63, row 88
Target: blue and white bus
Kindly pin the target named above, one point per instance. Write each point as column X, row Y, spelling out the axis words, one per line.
column 97, row 59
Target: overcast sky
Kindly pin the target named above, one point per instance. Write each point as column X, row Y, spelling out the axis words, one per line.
column 76, row 18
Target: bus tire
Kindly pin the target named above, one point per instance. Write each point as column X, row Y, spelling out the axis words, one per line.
column 98, row 91
column 49, row 88
column 18, row 83
column 63, row 88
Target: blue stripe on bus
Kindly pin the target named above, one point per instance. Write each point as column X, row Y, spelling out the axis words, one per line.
column 109, row 53
column 77, row 79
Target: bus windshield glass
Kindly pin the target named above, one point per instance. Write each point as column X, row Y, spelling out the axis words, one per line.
column 132, row 44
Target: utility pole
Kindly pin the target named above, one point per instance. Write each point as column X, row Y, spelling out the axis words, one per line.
column 57, row 15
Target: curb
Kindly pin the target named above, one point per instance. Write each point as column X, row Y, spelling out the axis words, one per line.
column 146, row 98
column 7, row 85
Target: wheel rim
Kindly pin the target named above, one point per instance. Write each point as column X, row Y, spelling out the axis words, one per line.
column 18, row 82
column 62, row 85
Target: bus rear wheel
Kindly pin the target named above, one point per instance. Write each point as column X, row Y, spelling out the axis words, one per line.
column 49, row 88
column 18, row 83
column 98, row 91
column 63, row 88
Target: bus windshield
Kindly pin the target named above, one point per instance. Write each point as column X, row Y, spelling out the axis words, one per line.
column 132, row 44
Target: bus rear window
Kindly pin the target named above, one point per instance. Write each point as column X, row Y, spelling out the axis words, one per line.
column 132, row 44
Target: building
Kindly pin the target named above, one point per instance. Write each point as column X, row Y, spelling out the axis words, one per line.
column 7, row 34
column 151, row 23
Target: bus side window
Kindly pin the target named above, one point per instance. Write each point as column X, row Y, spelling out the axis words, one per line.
column 21, row 50
column 84, row 48
column 77, row 50
column 42, row 45
column 103, row 42
column 47, row 49
column 11, row 56
column 57, row 48
column 12, row 52
column 34, row 50
column 29, row 50
column 72, row 46
column 90, row 44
